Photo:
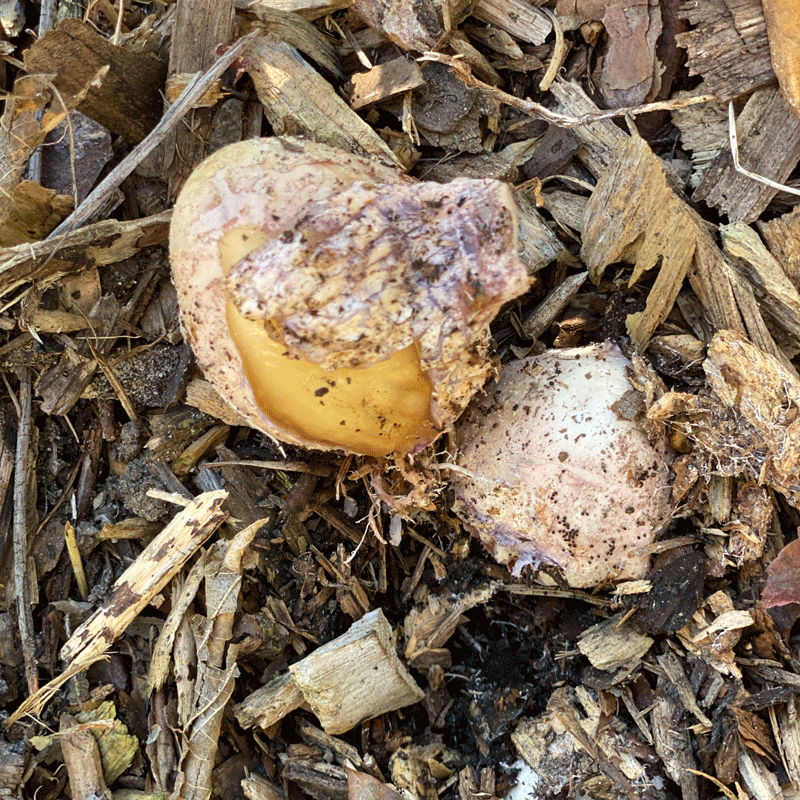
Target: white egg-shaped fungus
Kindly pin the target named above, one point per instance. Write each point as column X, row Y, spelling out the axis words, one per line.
column 549, row 473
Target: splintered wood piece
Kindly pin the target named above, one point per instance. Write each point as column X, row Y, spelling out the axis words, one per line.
column 515, row 17
column 292, row 29
column 297, row 101
column 765, row 121
column 599, row 139
column 203, row 396
column 271, row 703
column 122, row 102
column 783, row 31
column 729, row 302
column 148, row 575
column 704, row 131
column 385, row 80
column 478, row 62
column 777, row 293
column 538, row 245
column 602, row 749
column 782, row 236
column 611, row 644
column 672, row 743
column 786, row 729
column 255, row 787
column 674, row 673
column 758, row 777
column 548, row 311
column 34, row 212
column 727, row 45
column 355, row 677
column 134, row 589
column 634, row 215
column 199, row 29
column 25, row 123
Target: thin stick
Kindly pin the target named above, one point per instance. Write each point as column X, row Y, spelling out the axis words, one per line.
column 190, row 95
column 118, row 26
column 23, row 595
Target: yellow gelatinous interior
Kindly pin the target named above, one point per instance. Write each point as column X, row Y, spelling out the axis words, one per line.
column 377, row 410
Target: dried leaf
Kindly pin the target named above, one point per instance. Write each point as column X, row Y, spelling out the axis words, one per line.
column 783, row 577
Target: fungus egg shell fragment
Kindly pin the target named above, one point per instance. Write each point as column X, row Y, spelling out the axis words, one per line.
column 550, row 474
column 334, row 302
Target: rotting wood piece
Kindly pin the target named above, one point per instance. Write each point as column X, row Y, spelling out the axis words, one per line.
column 516, row 17
column 356, row 676
column 123, row 102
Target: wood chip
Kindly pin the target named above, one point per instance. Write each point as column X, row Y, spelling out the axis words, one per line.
column 385, row 80
column 765, row 120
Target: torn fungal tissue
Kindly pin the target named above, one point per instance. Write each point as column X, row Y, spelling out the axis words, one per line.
column 549, row 473
column 334, row 302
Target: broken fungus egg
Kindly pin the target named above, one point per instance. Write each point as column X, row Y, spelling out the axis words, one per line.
column 334, row 302
column 548, row 473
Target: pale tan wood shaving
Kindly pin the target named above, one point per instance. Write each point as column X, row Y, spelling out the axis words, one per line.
column 308, row 9
column 82, row 759
column 611, row 644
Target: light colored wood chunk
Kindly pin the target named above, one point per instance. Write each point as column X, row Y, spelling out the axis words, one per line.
column 385, row 80
column 610, row 645
column 356, row 676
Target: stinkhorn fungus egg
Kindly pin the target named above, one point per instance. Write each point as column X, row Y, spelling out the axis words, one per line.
column 334, row 302
column 548, row 473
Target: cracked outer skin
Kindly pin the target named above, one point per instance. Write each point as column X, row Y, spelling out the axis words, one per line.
column 343, row 263
column 551, row 475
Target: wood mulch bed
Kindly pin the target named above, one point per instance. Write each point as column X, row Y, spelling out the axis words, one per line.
column 189, row 609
